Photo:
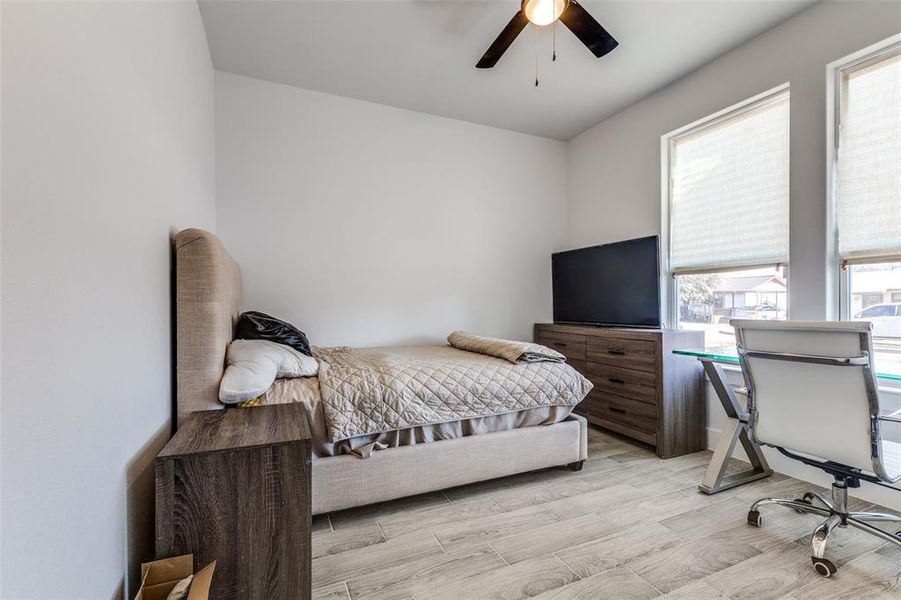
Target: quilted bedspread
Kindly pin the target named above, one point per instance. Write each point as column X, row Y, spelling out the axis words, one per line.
column 373, row 390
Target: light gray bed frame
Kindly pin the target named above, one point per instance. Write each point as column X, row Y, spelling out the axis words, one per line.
column 208, row 300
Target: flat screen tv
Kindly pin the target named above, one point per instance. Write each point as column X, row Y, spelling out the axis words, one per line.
column 614, row 284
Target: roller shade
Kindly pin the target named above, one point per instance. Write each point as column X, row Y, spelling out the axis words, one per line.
column 868, row 174
column 729, row 190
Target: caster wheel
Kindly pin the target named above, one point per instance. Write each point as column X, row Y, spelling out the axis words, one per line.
column 754, row 518
column 802, row 501
column 823, row 566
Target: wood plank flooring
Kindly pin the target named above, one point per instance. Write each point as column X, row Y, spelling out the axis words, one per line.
column 629, row 526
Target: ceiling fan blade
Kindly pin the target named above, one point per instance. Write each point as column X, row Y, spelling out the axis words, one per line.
column 503, row 41
column 587, row 29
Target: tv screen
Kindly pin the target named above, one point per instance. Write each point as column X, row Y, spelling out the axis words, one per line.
column 613, row 284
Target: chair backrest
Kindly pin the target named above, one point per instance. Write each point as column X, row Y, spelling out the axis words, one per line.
column 812, row 388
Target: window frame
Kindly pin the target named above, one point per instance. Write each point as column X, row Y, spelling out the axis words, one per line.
column 668, row 280
column 839, row 278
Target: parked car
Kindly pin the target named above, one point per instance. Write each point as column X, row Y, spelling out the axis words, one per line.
column 886, row 319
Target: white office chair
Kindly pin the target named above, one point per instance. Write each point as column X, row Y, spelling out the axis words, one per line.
column 812, row 395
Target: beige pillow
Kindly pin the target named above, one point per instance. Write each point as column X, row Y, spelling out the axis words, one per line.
column 254, row 365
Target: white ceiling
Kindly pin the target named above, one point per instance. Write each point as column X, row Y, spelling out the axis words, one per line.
column 421, row 55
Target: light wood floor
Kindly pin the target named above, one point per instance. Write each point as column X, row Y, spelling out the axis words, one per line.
column 627, row 526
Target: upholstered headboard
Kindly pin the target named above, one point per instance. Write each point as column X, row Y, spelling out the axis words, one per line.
column 208, row 300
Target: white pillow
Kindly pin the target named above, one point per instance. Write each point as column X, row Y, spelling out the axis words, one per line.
column 254, row 365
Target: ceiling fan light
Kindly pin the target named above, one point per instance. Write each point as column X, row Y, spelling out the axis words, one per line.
column 543, row 12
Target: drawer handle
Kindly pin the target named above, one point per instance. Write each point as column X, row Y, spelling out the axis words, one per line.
column 615, row 380
column 617, row 410
column 560, row 344
column 616, row 351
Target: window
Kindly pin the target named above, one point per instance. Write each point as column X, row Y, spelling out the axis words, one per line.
column 707, row 301
column 727, row 211
column 866, row 188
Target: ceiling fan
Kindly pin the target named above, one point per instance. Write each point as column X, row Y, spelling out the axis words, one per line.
column 545, row 12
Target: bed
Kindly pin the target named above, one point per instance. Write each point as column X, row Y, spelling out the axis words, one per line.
column 208, row 301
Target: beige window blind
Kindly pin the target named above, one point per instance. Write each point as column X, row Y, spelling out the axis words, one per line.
column 868, row 173
column 729, row 189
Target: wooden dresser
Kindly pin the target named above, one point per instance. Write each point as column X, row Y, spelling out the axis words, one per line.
column 234, row 486
column 641, row 389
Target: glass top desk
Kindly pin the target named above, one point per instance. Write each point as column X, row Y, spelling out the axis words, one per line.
column 888, row 368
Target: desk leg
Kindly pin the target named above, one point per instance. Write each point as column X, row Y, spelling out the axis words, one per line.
column 716, row 480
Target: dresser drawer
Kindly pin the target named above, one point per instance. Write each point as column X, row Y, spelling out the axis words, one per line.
column 635, row 434
column 631, row 353
column 630, row 413
column 569, row 345
column 630, row 383
column 641, row 389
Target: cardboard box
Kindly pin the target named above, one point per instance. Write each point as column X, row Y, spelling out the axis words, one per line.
column 160, row 576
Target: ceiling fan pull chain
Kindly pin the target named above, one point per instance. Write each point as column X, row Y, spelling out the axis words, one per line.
column 554, row 52
column 536, row 56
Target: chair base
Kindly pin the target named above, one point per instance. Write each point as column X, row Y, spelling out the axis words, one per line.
column 837, row 515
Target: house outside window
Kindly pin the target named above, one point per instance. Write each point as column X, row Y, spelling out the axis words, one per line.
column 749, row 296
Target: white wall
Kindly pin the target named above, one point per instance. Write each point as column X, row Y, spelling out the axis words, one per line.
column 614, row 168
column 361, row 223
column 107, row 120
column 364, row 224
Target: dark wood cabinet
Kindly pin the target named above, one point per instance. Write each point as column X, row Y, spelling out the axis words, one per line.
column 234, row 486
column 641, row 389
